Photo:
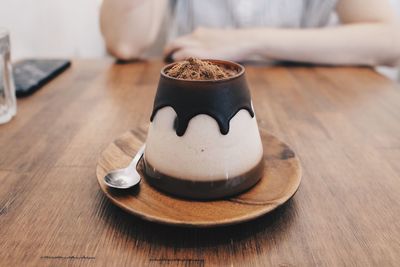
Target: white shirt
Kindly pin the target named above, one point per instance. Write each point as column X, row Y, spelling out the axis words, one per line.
column 184, row 16
column 187, row 15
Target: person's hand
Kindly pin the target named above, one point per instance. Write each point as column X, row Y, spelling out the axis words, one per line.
column 207, row 43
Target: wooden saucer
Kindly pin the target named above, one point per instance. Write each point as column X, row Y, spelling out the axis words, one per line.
column 280, row 182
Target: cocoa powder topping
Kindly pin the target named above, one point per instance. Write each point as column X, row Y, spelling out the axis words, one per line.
column 197, row 69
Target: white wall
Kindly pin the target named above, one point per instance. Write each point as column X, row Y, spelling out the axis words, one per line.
column 57, row 28
column 52, row 28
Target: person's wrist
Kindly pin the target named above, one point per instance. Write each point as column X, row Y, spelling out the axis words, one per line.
column 249, row 43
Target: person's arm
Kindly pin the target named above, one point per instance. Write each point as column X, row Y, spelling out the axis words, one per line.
column 129, row 27
column 369, row 35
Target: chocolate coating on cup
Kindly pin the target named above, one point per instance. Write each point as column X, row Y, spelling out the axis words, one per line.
column 220, row 99
column 206, row 190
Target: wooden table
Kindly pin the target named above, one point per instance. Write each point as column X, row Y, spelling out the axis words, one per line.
column 344, row 123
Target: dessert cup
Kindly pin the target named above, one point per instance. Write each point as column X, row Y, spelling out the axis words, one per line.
column 203, row 141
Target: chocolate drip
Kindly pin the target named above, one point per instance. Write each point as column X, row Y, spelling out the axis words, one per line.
column 220, row 99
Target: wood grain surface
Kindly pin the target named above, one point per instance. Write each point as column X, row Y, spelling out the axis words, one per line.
column 282, row 176
column 343, row 123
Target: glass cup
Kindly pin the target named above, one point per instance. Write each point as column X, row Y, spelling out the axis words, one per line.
column 8, row 103
column 203, row 140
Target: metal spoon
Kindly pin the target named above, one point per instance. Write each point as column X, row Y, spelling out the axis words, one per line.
column 127, row 177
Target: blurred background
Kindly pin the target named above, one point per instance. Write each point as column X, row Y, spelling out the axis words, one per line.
column 69, row 29
column 51, row 28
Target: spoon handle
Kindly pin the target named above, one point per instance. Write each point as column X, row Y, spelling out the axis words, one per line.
column 137, row 157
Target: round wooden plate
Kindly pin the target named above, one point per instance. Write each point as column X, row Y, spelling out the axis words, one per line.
column 280, row 182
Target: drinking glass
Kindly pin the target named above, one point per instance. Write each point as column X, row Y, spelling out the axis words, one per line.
column 8, row 103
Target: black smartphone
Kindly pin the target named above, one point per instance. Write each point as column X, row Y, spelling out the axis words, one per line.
column 31, row 74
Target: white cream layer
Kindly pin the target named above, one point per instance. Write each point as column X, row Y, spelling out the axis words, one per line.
column 203, row 153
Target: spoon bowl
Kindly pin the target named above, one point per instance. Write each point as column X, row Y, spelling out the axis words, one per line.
column 127, row 177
